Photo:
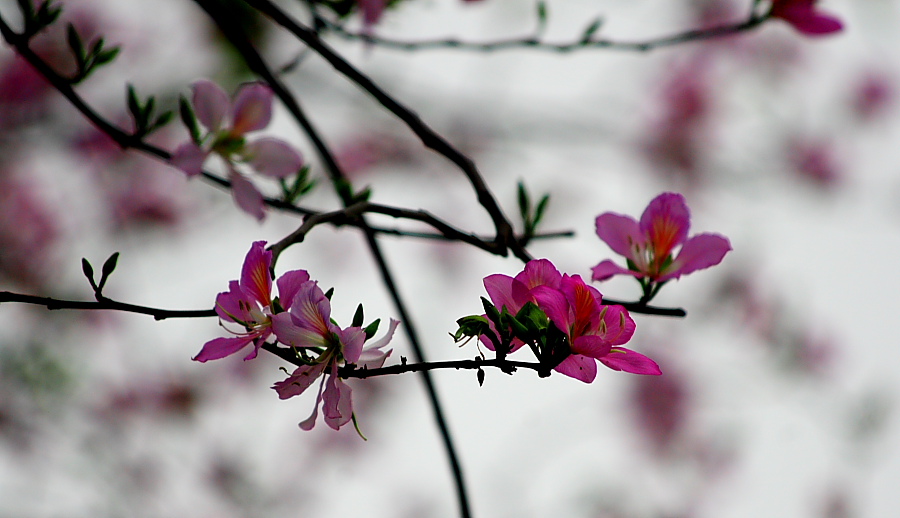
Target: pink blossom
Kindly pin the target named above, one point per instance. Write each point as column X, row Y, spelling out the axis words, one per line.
column 371, row 12
column 227, row 124
column 308, row 329
column 804, row 17
column 649, row 245
column 593, row 330
column 249, row 303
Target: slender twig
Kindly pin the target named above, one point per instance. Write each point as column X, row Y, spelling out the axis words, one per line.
column 532, row 42
column 104, row 303
column 430, row 139
column 235, row 35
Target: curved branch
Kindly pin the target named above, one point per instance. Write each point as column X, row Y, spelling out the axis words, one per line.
column 104, row 303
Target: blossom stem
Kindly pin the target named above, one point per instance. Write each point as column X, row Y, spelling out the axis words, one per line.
column 104, row 303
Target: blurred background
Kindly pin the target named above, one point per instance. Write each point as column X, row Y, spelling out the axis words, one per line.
column 780, row 388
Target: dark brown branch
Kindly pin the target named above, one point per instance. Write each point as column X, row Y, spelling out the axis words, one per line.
column 104, row 304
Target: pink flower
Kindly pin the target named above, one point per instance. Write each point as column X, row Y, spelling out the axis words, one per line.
column 227, row 124
column 804, row 17
column 308, row 329
column 513, row 293
column 649, row 245
column 371, row 12
column 592, row 329
column 249, row 303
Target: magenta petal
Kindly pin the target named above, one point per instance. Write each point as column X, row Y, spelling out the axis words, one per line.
column 500, row 289
column 189, row 158
column 252, row 108
column 210, row 103
column 699, row 252
column 338, row 407
column 608, row 269
column 539, row 272
column 246, row 196
column 289, row 284
column 256, row 281
column 620, row 233
column 813, row 23
column 273, row 157
column 311, row 310
column 554, row 304
column 221, row 347
column 352, row 339
column 591, row 346
column 232, row 305
column 579, row 367
column 626, row 360
column 618, row 324
column 371, row 11
column 666, row 222
column 288, row 333
column 299, row 381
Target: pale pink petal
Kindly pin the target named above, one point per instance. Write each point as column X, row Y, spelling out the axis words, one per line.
column 591, row 346
column 352, row 340
column 626, row 360
column 579, row 367
column 621, row 233
column 189, row 158
column 233, row 305
column 252, row 108
column 222, row 347
column 246, row 196
column 273, row 157
column 311, row 310
column 338, row 406
column 666, row 222
column 288, row 286
column 299, row 381
column 291, row 334
column 310, row 422
column 256, row 281
column 372, row 356
column 539, row 272
column 608, row 269
column 698, row 252
column 210, row 103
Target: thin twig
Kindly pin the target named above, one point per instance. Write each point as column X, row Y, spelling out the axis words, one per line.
column 104, row 303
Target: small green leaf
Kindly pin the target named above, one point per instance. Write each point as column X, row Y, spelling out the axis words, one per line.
column 189, row 119
column 372, row 328
column 524, row 203
column 591, row 29
column 329, row 293
column 134, row 105
column 163, row 119
column 480, row 376
column 108, row 267
column 542, row 13
column 88, row 272
column 358, row 317
column 75, row 43
column 539, row 211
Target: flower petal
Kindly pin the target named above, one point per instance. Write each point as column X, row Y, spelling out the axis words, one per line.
column 311, row 310
column 289, row 284
column 210, row 104
column 233, row 305
column 621, row 233
column 252, row 108
column 626, row 360
column 221, row 347
column 299, row 381
column 666, row 222
column 310, row 422
column 288, row 333
column 372, row 356
column 500, row 289
column 608, row 269
column 273, row 157
column 338, row 407
column 591, row 345
column 246, row 196
column 256, row 281
column 352, row 340
column 554, row 304
column 579, row 367
column 698, row 252
column 189, row 158
column 617, row 325
column 539, row 272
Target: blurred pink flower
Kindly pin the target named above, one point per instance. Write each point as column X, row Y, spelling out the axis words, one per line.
column 28, row 232
column 803, row 16
column 227, row 124
column 308, row 328
column 874, row 94
column 648, row 246
column 593, row 330
column 249, row 303
column 815, row 161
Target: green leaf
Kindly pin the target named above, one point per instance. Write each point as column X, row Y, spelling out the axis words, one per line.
column 542, row 14
column 524, row 203
column 539, row 211
column 189, row 119
column 163, row 119
column 358, row 317
column 372, row 328
column 106, row 56
column 108, row 266
column 88, row 271
column 329, row 293
column 591, row 29
column 75, row 43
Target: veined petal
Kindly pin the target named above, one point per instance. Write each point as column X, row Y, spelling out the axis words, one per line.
column 620, row 233
column 299, row 381
column 579, row 367
column 626, row 360
column 311, row 309
column 372, row 356
column 221, row 347
column 500, row 289
column 189, row 157
column 666, row 222
column 617, row 325
column 246, row 196
column 352, row 340
column 289, row 284
column 288, row 333
column 211, row 104
column 584, row 304
column 310, row 422
column 539, row 272
column 591, row 346
column 252, row 108
column 255, row 278
column 234, row 304
column 273, row 157
column 607, row 269
column 338, row 406
column 698, row 252
column 554, row 304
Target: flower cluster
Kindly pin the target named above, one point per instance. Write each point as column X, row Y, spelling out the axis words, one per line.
column 563, row 320
column 227, row 124
column 299, row 318
column 648, row 245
